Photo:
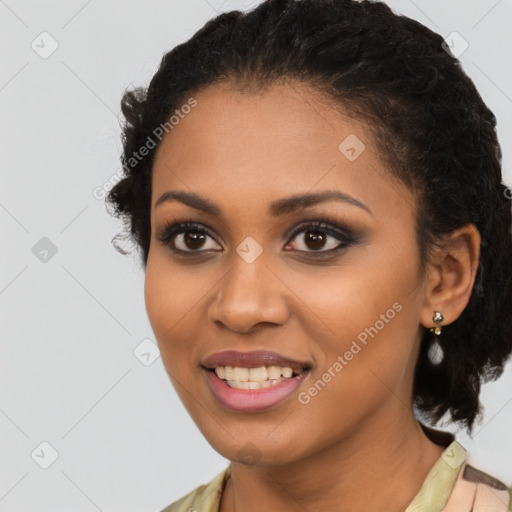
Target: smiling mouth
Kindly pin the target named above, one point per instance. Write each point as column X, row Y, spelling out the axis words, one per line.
column 261, row 377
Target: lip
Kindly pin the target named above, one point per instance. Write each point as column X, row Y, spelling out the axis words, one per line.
column 251, row 400
column 253, row 359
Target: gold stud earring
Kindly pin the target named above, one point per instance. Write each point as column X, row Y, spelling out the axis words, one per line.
column 437, row 318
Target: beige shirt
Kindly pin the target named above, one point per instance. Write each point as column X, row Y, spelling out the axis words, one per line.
column 452, row 485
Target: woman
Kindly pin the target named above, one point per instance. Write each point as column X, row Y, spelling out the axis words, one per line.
column 315, row 188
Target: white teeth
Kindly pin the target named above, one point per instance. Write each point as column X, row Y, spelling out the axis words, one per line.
column 286, row 372
column 274, row 372
column 240, row 374
column 258, row 374
column 253, row 378
column 254, row 385
column 238, row 385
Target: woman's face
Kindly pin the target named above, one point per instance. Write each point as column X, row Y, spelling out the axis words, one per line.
column 342, row 300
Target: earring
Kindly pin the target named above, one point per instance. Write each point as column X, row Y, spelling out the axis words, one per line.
column 435, row 351
column 437, row 318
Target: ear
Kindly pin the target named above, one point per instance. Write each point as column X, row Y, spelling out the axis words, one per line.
column 451, row 275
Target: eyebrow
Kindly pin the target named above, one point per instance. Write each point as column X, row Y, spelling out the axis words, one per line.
column 277, row 208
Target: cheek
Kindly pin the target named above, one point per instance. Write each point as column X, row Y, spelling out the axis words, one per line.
column 168, row 298
column 170, row 292
column 175, row 305
column 158, row 301
column 369, row 318
column 353, row 295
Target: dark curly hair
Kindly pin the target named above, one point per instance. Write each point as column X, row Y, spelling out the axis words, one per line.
column 431, row 127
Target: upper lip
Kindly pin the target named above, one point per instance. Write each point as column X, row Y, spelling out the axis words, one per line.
column 252, row 359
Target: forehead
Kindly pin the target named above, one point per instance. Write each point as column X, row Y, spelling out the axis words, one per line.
column 241, row 148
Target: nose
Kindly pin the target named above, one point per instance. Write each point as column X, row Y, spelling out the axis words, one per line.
column 249, row 294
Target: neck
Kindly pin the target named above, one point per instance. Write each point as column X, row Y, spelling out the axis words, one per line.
column 379, row 463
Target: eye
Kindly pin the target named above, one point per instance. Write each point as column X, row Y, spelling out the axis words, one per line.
column 187, row 237
column 320, row 237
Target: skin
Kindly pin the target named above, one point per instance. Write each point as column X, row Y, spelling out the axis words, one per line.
column 243, row 151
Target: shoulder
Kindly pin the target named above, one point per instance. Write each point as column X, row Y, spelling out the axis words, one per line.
column 478, row 491
column 185, row 504
column 465, row 487
column 205, row 498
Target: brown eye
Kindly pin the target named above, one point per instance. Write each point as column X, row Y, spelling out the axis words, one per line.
column 187, row 238
column 193, row 239
column 320, row 238
column 315, row 239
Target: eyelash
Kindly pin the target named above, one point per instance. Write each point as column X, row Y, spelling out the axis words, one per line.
column 343, row 233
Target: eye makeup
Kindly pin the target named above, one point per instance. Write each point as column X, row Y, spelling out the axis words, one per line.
column 319, row 228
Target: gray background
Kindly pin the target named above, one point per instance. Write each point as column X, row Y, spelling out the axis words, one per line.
column 70, row 324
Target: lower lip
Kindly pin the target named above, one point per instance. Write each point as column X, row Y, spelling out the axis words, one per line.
column 252, row 400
